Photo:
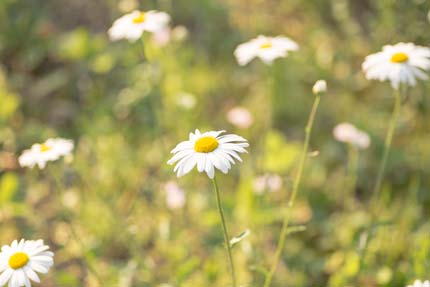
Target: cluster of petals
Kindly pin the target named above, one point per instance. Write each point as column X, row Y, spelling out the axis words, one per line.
column 348, row 133
column 20, row 261
column 132, row 25
column 419, row 283
column 40, row 154
column 208, row 151
column 266, row 48
column 401, row 64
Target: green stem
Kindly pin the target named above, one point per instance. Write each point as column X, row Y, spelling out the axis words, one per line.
column 296, row 185
column 380, row 176
column 387, row 143
column 224, row 228
column 352, row 172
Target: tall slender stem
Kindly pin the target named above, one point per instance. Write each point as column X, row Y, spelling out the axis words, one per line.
column 387, row 143
column 296, row 185
column 380, row 176
column 224, row 228
column 352, row 175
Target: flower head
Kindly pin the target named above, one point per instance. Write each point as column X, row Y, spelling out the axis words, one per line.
column 240, row 117
column 346, row 132
column 419, row 283
column 207, row 151
column 175, row 196
column 319, row 87
column 267, row 182
column 20, row 261
column 40, row 154
column 132, row 25
column 266, row 48
column 402, row 63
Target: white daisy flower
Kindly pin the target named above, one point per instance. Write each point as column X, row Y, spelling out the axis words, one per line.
column 419, row 283
column 40, row 154
column 208, row 151
column 348, row 133
column 132, row 25
column 20, row 261
column 402, row 63
column 265, row 48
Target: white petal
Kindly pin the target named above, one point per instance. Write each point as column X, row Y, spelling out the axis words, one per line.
column 5, row 276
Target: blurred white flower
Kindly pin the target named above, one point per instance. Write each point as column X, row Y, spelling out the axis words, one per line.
column 265, row 48
column 240, row 117
column 175, row 196
column 20, row 261
column 179, row 33
column 186, row 100
column 346, row 132
column 132, row 25
column 40, row 154
column 267, row 182
column 402, row 63
column 419, row 283
column 319, row 87
column 207, row 151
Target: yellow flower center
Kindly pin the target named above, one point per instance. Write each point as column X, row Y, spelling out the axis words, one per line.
column 45, row 148
column 206, row 144
column 18, row 260
column 399, row 57
column 140, row 18
column 266, row 45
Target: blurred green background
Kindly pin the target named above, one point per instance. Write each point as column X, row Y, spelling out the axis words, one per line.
column 104, row 213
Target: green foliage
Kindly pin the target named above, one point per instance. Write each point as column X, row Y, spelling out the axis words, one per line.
column 126, row 105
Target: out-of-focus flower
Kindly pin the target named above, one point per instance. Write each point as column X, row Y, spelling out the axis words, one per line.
column 265, row 48
column 20, row 261
column 207, row 151
column 267, row 182
column 162, row 38
column 348, row 133
column 175, row 196
column 186, row 100
column 419, row 283
column 240, row 117
column 40, row 154
column 319, row 87
column 179, row 33
column 402, row 63
column 132, row 25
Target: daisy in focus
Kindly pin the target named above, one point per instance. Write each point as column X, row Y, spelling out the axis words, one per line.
column 266, row 48
column 208, row 151
column 20, row 261
column 402, row 63
column 348, row 133
column 132, row 25
column 419, row 283
column 40, row 154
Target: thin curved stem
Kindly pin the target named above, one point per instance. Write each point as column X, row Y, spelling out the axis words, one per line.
column 387, row 143
column 224, row 228
column 380, row 176
column 352, row 173
column 296, row 185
